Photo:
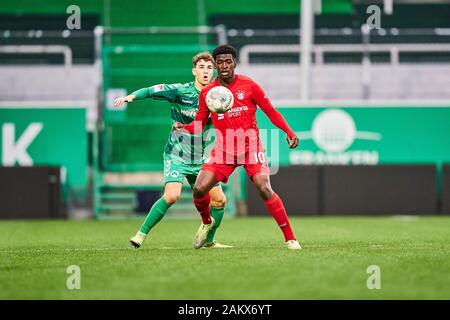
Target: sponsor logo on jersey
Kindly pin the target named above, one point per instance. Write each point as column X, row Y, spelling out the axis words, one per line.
column 189, row 113
column 236, row 112
column 238, row 109
column 158, row 87
column 174, row 174
column 186, row 101
column 240, row 95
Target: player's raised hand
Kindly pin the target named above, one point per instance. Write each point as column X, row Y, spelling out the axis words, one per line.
column 293, row 142
column 119, row 101
column 177, row 126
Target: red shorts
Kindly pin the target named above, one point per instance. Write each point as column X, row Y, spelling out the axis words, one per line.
column 252, row 165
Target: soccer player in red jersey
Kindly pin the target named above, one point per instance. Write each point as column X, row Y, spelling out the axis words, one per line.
column 237, row 143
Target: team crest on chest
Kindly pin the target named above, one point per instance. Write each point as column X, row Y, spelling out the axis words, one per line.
column 240, row 95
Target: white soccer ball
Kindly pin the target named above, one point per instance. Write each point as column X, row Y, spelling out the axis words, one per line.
column 219, row 99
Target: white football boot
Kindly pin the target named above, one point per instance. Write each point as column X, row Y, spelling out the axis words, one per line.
column 138, row 239
column 202, row 233
column 293, row 245
column 217, row 245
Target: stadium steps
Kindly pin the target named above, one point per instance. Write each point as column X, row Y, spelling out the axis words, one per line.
column 117, row 207
column 117, row 195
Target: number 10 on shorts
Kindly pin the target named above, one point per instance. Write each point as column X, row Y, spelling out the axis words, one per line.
column 260, row 157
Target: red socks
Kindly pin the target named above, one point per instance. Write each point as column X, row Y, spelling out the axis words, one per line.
column 202, row 205
column 276, row 209
column 274, row 205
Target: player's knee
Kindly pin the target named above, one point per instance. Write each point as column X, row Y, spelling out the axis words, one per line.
column 199, row 191
column 219, row 202
column 171, row 197
column 264, row 190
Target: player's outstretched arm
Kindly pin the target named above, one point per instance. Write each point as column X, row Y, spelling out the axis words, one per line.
column 275, row 116
column 121, row 100
column 167, row 92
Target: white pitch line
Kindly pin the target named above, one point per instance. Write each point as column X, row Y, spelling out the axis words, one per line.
column 84, row 249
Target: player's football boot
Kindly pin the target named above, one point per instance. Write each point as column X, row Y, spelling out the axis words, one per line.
column 293, row 245
column 138, row 239
column 202, row 234
column 217, row 245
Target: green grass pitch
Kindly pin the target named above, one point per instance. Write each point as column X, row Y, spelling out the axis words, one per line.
column 413, row 255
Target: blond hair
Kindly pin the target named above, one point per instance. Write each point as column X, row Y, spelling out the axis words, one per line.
column 205, row 55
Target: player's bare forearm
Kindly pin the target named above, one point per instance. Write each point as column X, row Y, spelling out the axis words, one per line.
column 119, row 101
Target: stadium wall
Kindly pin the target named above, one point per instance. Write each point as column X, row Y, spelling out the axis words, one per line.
column 446, row 189
column 47, row 134
column 353, row 190
column 359, row 160
column 31, row 193
column 347, row 134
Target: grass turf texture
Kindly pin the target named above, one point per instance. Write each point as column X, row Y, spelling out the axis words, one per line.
column 413, row 255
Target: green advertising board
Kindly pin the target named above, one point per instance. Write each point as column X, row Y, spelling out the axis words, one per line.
column 47, row 136
column 362, row 135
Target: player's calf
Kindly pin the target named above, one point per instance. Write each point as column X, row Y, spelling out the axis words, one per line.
column 202, row 204
column 263, row 187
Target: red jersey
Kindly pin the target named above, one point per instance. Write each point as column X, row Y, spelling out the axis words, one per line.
column 236, row 130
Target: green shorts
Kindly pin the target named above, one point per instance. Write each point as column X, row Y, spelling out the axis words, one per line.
column 176, row 171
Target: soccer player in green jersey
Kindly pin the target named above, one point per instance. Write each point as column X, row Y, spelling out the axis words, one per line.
column 181, row 159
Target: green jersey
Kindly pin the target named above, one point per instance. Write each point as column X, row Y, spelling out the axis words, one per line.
column 183, row 99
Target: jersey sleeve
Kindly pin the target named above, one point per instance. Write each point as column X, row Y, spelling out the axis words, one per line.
column 167, row 92
column 201, row 118
column 260, row 98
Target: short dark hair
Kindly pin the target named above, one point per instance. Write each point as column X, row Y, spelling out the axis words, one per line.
column 224, row 49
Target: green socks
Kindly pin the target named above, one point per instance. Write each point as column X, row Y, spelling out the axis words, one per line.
column 160, row 207
column 155, row 215
column 217, row 214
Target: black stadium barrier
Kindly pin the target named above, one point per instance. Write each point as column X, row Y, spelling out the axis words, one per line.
column 298, row 186
column 380, row 190
column 446, row 189
column 34, row 192
column 352, row 190
column 30, row 193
